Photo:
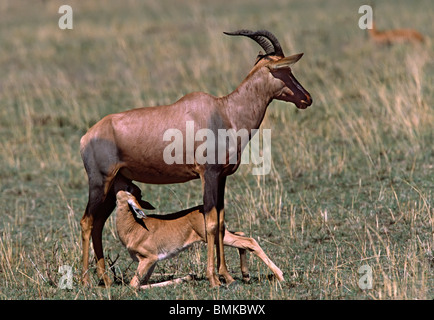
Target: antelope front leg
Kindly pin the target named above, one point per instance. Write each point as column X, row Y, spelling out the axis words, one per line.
column 211, row 229
column 210, row 193
column 243, row 256
column 213, row 199
column 221, row 261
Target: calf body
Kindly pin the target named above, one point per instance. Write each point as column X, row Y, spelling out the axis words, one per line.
column 159, row 237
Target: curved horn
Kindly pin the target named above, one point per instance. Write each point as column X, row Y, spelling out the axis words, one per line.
column 264, row 38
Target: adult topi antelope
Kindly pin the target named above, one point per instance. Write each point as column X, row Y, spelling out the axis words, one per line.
column 129, row 146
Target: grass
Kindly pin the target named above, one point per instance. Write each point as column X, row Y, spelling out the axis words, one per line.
column 352, row 178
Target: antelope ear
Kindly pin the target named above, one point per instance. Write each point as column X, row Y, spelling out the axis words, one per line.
column 140, row 214
column 285, row 62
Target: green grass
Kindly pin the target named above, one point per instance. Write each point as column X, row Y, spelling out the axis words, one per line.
column 352, row 178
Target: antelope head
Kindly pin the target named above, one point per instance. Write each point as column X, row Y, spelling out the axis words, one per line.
column 286, row 86
column 124, row 197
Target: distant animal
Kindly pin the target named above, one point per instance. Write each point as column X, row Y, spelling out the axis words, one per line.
column 394, row 35
column 129, row 146
column 151, row 238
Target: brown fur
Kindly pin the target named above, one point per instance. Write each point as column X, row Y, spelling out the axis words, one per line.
column 395, row 35
column 161, row 237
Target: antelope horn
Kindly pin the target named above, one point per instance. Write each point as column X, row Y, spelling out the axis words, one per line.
column 264, row 38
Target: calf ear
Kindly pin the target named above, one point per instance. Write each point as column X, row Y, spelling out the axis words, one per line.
column 140, row 214
column 285, row 62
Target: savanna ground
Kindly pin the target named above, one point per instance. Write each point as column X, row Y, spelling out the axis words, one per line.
column 352, row 177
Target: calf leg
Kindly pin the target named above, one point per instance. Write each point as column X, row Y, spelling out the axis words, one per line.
column 146, row 267
column 243, row 259
column 237, row 241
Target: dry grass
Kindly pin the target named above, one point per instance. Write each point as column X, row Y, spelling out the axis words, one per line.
column 352, row 178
